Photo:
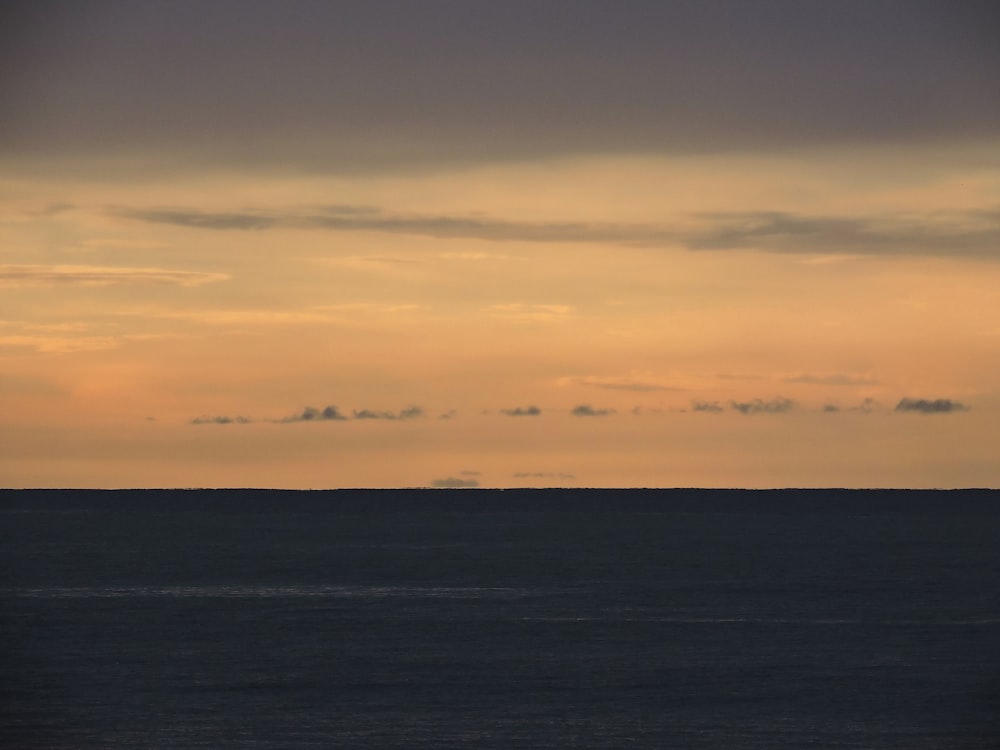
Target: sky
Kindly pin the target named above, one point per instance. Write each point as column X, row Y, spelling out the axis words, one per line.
column 456, row 243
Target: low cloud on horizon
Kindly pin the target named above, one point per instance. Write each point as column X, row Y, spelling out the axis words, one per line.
column 930, row 406
column 586, row 410
column 221, row 420
column 410, row 412
column 542, row 475
column 777, row 405
column 454, row 483
column 522, row 411
column 707, row 406
column 312, row 414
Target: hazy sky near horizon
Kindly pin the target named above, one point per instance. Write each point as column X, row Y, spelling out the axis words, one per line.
column 390, row 244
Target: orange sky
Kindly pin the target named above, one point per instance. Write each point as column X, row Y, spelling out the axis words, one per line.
column 820, row 312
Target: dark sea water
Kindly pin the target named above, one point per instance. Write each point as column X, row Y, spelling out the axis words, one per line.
column 496, row 620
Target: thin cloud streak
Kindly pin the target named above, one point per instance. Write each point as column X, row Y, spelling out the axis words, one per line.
column 538, row 313
column 542, row 475
column 973, row 234
column 637, row 385
column 40, row 275
column 60, row 344
column 238, row 317
column 831, row 379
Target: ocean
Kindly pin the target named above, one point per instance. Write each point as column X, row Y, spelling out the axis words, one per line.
column 490, row 619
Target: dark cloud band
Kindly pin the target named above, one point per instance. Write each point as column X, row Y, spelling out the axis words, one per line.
column 969, row 234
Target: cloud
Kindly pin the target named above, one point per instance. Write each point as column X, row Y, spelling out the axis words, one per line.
column 239, row 317
column 60, row 344
column 640, row 410
column 372, row 219
column 343, row 314
column 370, row 307
column 960, row 233
column 867, row 406
column 199, row 219
column 542, row 475
column 738, row 376
column 56, row 208
column 454, row 483
column 926, row 406
column 634, row 78
column 221, row 420
column 38, row 275
column 473, row 256
column 469, row 473
column 522, row 411
column 381, row 260
column 450, row 414
column 757, row 406
column 369, row 414
column 618, row 383
column 15, row 386
column 586, row 410
column 539, row 313
column 312, row 414
column 831, row 379
column 411, row 412
column 708, row 406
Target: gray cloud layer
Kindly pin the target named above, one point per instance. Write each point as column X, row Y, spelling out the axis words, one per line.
column 375, row 84
column 970, row 234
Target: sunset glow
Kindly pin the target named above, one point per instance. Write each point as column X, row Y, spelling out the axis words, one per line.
column 507, row 244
